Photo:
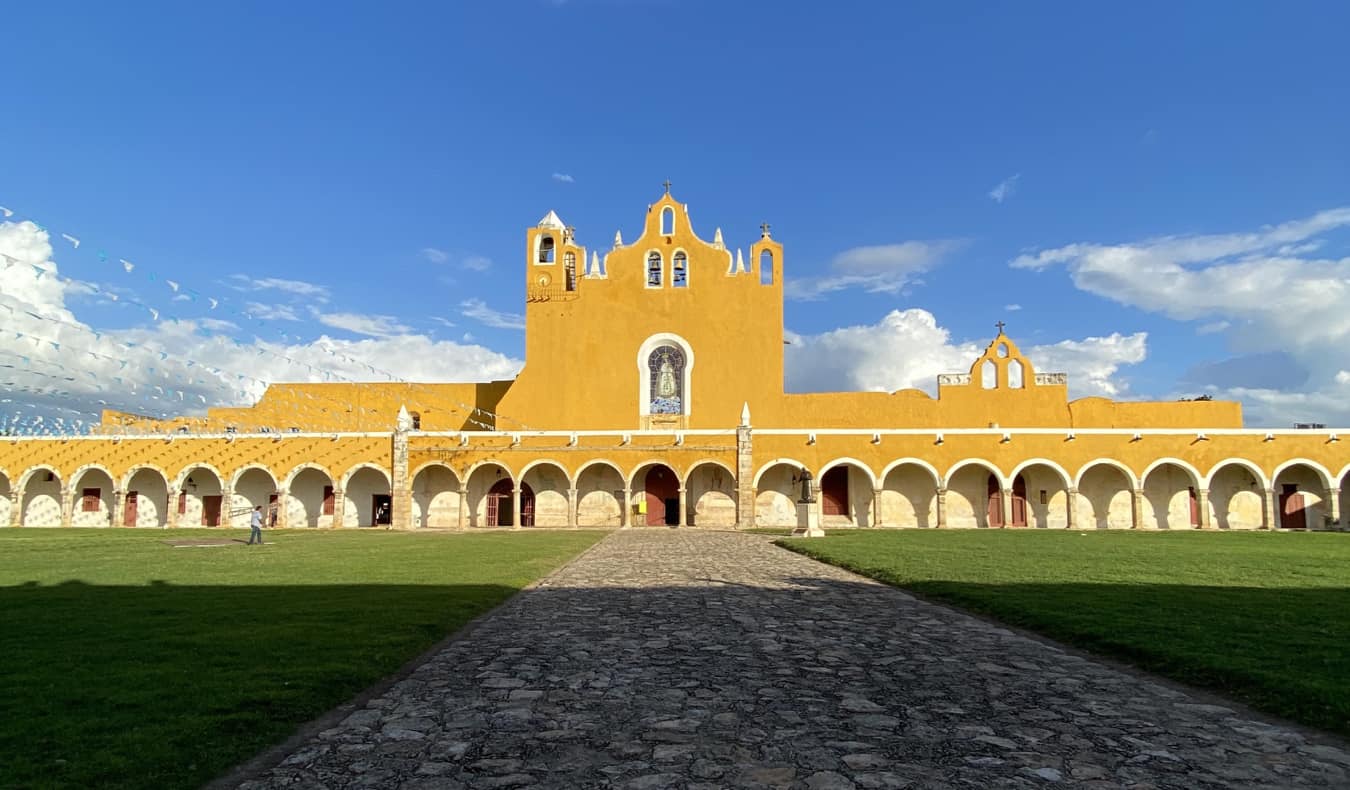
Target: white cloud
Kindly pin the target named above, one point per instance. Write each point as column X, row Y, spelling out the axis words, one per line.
column 563, row 178
column 885, row 268
column 361, row 324
column 1012, row 308
column 318, row 293
column 271, row 312
column 1260, row 289
column 907, row 349
column 434, row 255
column 1005, row 188
column 479, row 311
column 477, row 263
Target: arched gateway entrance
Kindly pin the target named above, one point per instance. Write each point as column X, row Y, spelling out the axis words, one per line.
column 662, row 491
column 500, row 504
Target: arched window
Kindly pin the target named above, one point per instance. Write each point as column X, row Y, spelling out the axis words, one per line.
column 570, row 270
column 667, row 221
column 988, row 375
column 654, row 269
column 416, row 420
column 1015, row 374
column 1003, row 350
column 666, row 365
column 545, row 249
column 679, row 270
column 766, row 268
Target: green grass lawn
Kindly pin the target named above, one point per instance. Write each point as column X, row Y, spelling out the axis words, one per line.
column 1260, row 617
column 125, row 662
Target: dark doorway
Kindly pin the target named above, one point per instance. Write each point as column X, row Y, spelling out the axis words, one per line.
column 500, row 504
column 129, row 512
column 273, row 510
column 662, row 492
column 834, row 492
column 994, row 504
column 211, row 510
column 1018, row 516
column 382, row 510
column 1293, row 514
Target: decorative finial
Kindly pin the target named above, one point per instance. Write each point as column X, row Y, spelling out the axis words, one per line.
column 618, row 239
column 666, row 184
column 764, row 229
column 595, row 265
column 1000, row 327
column 717, row 240
column 740, row 262
column 745, row 413
column 403, row 422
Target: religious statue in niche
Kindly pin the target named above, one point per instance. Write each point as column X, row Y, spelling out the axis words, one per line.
column 666, row 365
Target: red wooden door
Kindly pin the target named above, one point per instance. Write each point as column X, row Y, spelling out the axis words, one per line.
column 1018, row 516
column 660, row 490
column 994, row 506
column 499, row 504
column 129, row 511
column 1195, row 507
column 526, row 505
column 1293, row 514
column 211, row 510
column 834, row 492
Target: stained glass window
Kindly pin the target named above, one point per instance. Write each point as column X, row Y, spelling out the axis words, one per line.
column 666, row 368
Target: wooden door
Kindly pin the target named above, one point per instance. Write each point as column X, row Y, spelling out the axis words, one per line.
column 499, row 504
column 660, row 490
column 834, row 492
column 129, row 511
column 1018, row 516
column 994, row 504
column 526, row 505
column 1293, row 513
column 211, row 510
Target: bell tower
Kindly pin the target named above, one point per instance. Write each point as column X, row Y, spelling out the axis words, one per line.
column 553, row 261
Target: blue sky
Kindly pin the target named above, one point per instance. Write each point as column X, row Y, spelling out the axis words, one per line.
column 1104, row 179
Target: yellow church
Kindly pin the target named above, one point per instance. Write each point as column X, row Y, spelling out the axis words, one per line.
column 652, row 395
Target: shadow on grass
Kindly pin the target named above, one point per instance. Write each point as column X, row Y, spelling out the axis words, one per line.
column 167, row 686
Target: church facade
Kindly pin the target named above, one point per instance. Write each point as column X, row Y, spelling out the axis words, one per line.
column 652, row 394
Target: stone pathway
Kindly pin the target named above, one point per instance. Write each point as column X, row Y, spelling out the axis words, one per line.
column 692, row 659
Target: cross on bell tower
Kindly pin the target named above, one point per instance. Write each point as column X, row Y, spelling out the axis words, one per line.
column 764, row 229
column 1000, row 327
column 666, row 184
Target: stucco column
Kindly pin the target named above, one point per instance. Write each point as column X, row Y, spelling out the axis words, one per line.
column 1268, row 509
column 684, row 509
column 1071, row 511
column 572, row 508
column 745, row 478
column 874, row 515
column 118, row 512
column 1005, row 503
column 15, row 508
column 627, row 506
column 463, row 507
column 67, row 505
column 515, row 507
column 283, row 496
column 400, row 485
column 1137, row 508
column 1333, row 500
column 941, row 509
column 226, row 505
column 339, row 507
column 1202, row 504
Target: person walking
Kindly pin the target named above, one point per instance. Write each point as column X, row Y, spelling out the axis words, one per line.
column 255, row 526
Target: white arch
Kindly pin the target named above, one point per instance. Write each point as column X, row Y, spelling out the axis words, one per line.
column 186, row 471
column 550, row 462
column 596, row 462
column 125, row 482
column 899, row 462
column 632, row 478
column 294, row 473
column 1125, row 470
column 853, row 462
column 988, row 465
column 706, row 461
column 773, row 463
column 1341, row 475
column 1316, row 467
column 27, row 476
column 238, row 473
column 645, row 375
column 1196, row 477
column 78, row 473
column 346, row 478
column 1064, row 476
column 1242, row 462
column 468, row 473
column 442, row 464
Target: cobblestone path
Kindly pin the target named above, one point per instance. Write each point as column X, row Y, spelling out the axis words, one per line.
column 711, row 659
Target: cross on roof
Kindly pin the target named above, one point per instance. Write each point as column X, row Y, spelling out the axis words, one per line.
column 764, row 228
column 666, row 184
column 1000, row 327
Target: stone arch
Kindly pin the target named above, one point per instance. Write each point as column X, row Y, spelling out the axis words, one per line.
column 775, row 493
column 1300, row 487
column 96, row 511
column 548, row 504
column 653, row 489
column 422, row 467
column 239, row 473
column 1124, row 470
column 600, row 486
column 435, row 495
column 1170, row 500
column 1105, row 495
column 248, row 491
column 1236, row 494
column 846, row 499
column 187, row 470
column 40, row 505
column 200, row 501
column 310, row 499
column 710, row 494
column 146, row 499
column 350, row 473
column 485, row 503
column 1043, row 496
column 969, row 503
column 908, row 494
column 366, row 496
